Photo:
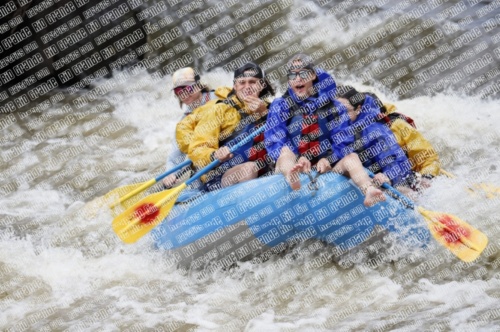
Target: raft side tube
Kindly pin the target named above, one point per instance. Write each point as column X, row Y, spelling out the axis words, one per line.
column 246, row 220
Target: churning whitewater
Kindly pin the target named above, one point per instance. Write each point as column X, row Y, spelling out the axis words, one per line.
column 62, row 268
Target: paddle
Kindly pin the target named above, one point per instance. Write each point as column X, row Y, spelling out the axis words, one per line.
column 463, row 240
column 490, row 190
column 126, row 192
column 146, row 214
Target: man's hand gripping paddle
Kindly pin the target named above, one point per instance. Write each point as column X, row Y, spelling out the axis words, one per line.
column 142, row 217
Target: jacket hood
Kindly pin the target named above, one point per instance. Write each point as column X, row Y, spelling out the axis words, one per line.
column 390, row 108
column 222, row 92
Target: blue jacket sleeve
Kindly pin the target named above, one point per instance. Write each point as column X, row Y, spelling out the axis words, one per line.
column 276, row 134
column 339, row 133
column 392, row 160
column 385, row 155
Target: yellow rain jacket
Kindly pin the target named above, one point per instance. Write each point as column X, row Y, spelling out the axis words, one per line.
column 422, row 155
column 217, row 123
column 185, row 128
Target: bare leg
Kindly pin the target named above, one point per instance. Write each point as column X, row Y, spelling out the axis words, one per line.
column 240, row 173
column 351, row 165
column 286, row 164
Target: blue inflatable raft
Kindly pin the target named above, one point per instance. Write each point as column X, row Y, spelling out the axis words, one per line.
column 242, row 221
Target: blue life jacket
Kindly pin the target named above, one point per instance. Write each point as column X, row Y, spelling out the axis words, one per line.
column 288, row 115
column 374, row 143
column 314, row 143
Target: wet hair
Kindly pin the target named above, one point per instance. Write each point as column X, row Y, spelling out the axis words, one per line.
column 358, row 98
column 348, row 92
column 267, row 92
column 268, row 89
column 300, row 61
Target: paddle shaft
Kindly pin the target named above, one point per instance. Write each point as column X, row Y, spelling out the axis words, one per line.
column 149, row 183
column 216, row 162
column 202, row 171
column 175, row 169
column 399, row 195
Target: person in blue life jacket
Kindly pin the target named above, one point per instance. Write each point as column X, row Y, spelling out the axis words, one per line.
column 297, row 134
column 191, row 93
column 362, row 141
column 420, row 152
column 225, row 123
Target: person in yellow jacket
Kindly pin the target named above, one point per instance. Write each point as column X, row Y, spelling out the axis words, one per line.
column 191, row 94
column 185, row 128
column 423, row 157
column 225, row 123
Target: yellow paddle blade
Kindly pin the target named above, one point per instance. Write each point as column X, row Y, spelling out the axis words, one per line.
column 126, row 196
column 145, row 215
column 447, row 174
column 463, row 240
column 489, row 189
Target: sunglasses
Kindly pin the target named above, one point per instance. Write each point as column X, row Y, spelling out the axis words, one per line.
column 188, row 89
column 304, row 74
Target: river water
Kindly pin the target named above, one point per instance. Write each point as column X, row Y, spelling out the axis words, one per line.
column 63, row 269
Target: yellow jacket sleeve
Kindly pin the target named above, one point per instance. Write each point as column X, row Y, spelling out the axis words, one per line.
column 390, row 108
column 422, row 155
column 216, row 123
column 222, row 92
column 184, row 130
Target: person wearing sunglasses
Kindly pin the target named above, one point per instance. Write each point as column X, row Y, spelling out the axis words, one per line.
column 191, row 94
column 300, row 121
column 188, row 89
column 227, row 122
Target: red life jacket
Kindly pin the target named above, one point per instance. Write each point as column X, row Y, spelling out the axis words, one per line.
column 258, row 152
column 390, row 118
column 310, row 133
